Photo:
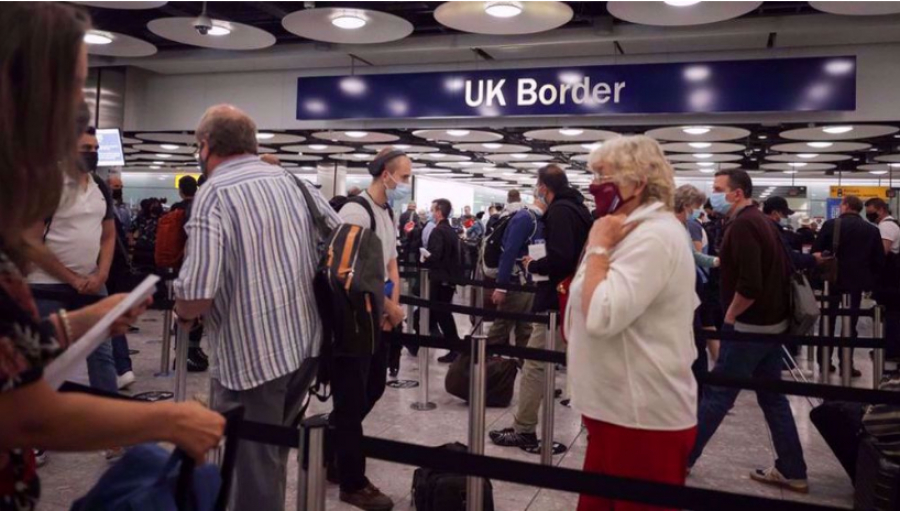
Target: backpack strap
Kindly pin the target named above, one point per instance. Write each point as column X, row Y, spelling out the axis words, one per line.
column 368, row 207
column 318, row 218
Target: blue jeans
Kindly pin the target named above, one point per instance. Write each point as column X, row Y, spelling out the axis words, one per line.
column 761, row 361
column 120, row 354
column 101, row 365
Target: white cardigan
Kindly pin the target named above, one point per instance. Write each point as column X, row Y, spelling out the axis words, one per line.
column 629, row 360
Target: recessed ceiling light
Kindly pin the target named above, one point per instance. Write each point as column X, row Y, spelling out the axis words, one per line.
column 307, row 168
column 570, row 132
column 438, row 155
column 300, row 153
column 763, row 137
column 894, row 165
column 696, row 130
column 318, row 147
column 356, row 134
column 699, row 145
column 591, row 147
column 159, row 163
column 520, row 156
column 790, row 171
column 457, row 133
column 402, row 146
column 702, row 156
column 218, row 30
column 705, row 163
column 820, row 145
column 707, row 171
column 169, row 147
column 682, row 3
column 348, row 22
column 154, row 167
column 837, row 130
column 807, row 155
column 98, row 37
column 492, row 145
column 878, row 172
column 359, row 155
column 264, row 136
column 161, row 155
column 465, row 163
column 503, row 9
column 797, row 164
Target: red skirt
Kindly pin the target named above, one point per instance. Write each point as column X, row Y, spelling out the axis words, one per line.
column 659, row 456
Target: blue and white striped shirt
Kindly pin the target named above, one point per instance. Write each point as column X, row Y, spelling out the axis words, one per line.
column 252, row 250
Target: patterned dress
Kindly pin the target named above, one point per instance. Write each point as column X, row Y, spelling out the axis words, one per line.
column 27, row 344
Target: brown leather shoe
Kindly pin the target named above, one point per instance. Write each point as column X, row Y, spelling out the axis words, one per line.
column 369, row 498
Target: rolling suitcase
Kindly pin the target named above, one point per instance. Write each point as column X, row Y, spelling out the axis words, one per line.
column 877, row 480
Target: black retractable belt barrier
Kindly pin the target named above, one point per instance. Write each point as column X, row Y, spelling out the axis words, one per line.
column 827, row 392
column 495, row 285
column 475, row 311
column 554, row 357
column 790, row 340
column 424, row 341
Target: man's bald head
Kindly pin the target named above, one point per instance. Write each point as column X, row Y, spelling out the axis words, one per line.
column 227, row 131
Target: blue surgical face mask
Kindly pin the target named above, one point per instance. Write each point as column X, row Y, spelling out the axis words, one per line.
column 696, row 214
column 785, row 222
column 719, row 203
column 399, row 193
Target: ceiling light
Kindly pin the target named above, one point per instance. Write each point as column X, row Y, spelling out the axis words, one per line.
column 570, row 132
column 790, row 171
column 820, row 145
column 894, row 165
column 702, row 156
column 696, row 130
column 763, row 137
column 307, row 168
column 264, row 136
column 520, row 156
column 591, row 147
column 161, row 155
column 169, row 147
column 707, row 171
column 682, row 3
column 503, row 9
column 154, row 167
column 359, row 155
column 492, row 145
column 318, row 147
column 348, row 22
column 465, row 163
column 438, row 155
column 837, row 130
column 797, row 164
column 807, row 155
column 356, row 134
column 97, row 37
column 878, row 172
column 300, row 153
column 159, row 163
column 218, row 30
column 705, row 163
column 402, row 146
column 457, row 133
column 699, row 145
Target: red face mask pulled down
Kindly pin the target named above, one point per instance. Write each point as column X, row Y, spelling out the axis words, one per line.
column 607, row 197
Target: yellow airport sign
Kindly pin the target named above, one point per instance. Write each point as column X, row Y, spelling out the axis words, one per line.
column 179, row 176
column 863, row 192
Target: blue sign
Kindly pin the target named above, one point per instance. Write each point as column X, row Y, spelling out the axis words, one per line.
column 778, row 85
column 832, row 208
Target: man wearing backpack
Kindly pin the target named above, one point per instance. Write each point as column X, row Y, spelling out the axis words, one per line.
column 888, row 295
column 518, row 227
column 358, row 381
column 567, row 223
column 445, row 262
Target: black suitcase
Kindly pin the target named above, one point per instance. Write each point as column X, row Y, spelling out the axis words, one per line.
column 500, row 380
column 840, row 424
column 877, row 480
column 435, row 490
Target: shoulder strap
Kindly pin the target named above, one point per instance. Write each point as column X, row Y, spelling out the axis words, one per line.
column 534, row 219
column 368, row 207
column 104, row 190
column 318, row 218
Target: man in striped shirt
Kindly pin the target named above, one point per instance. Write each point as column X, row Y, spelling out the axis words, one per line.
column 249, row 266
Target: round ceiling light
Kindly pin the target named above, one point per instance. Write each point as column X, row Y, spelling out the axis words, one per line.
column 348, row 22
column 790, row 171
column 807, row 155
column 696, row 130
column 503, row 9
column 591, row 147
column 98, row 37
column 160, row 155
column 820, row 145
column 264, row 136
column 458, row 133
column 797, row 164
column 218, row 31
column 520, row 156
column 356, row 134
column 837, row 130
column 570, row 132
column 169, row 147
column 492, row 145
column 700, row 145
column 878, row 172
column 318, row 147
column 705, row 163
column 682, row 3
column 702, row 156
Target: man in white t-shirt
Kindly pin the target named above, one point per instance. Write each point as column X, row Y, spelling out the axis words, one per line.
column 73, row 260
column 878, row 213
column 358, row 382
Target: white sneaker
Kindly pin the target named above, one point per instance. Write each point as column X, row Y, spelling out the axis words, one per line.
column 773, row 477
column 125, row 380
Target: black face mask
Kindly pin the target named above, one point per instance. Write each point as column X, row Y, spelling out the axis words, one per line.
column 117, row 195
column 872, row 217
column 89, row 161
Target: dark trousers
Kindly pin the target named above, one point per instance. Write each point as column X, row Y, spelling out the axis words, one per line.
column 121, row 357
column 700, row 367
column 834, row 302
column 357, row 383
column 443, row 320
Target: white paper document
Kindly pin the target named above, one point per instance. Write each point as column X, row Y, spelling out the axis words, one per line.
column 67, row 364
column 538, row 251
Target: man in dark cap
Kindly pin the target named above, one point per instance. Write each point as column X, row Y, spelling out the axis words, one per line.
column 776, row 208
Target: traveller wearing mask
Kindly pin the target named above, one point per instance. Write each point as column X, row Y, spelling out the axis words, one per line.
column 122, row 211
column 40, row 97
column 860, row 260
column 358, row 382
column 444, row 261
column 629, row 323
column 256, row 298
column 566, row 225
column 522, row 230
column 755, row 293
column 776, row 208
column 888, row 294
column 121, row 279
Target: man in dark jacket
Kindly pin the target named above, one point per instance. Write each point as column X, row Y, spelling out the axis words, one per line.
column 444, row 262
column 776, row 208
column 860, row 257
column 566, row 226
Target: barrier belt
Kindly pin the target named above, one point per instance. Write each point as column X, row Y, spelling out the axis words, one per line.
column 576, row 481
column 862, row 313
column 475, row 311
column 491, row 284
column 555, row 357
column 826, row 392
column 427, row 341
column 424, row 341
column 790, row 340
column 270, row 434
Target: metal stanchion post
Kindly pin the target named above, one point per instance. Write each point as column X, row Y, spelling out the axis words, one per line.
column 181, row 354
column 825, row 351
column 311, row 464
column 477, row 377
column 846, row 354
column 878, row 353
column 479, row 302
column 424, row 353
column 166, row 336
column 549, row 405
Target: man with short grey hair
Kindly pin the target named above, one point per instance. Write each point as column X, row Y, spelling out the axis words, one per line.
column 256, row 293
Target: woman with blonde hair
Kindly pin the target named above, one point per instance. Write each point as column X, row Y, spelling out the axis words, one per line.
column 630, row 324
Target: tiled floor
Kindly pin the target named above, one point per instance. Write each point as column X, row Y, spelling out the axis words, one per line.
column 741, row 444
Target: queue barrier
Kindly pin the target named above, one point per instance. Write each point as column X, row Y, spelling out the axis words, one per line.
column 543, row 319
